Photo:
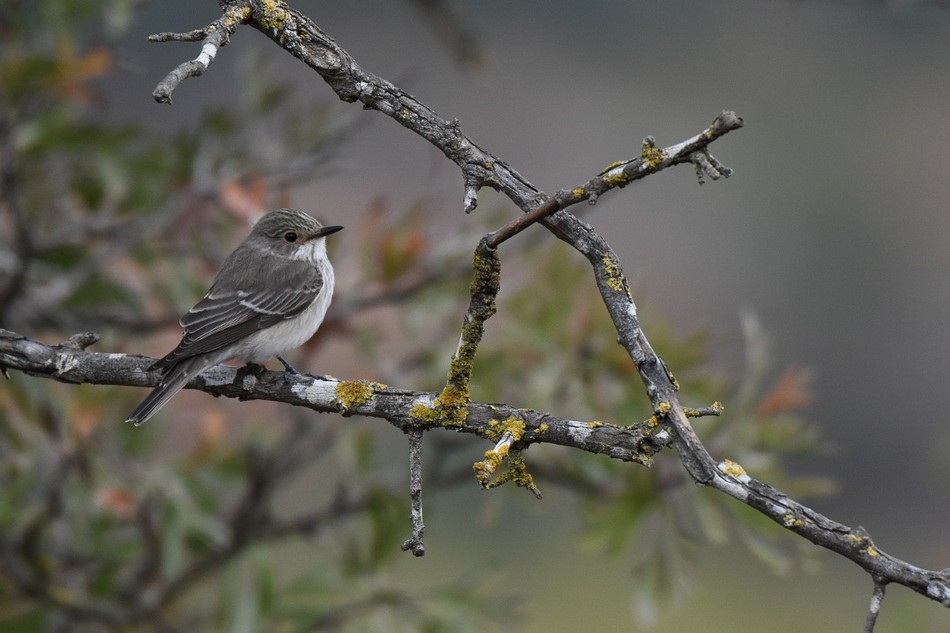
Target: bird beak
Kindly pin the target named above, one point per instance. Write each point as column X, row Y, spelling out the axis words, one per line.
column 323, row 231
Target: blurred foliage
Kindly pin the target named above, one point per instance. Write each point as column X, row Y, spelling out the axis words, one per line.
column 107, row 529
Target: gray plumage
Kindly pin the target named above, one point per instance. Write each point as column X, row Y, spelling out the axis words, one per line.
column 270, row 296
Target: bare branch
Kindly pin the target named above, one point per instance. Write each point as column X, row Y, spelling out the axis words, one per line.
column 213, row 36
column 877, row 597
column 415, row 543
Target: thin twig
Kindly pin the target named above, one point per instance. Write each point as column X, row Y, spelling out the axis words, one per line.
column 415, row 543
column 214, row 36
column 877, row 597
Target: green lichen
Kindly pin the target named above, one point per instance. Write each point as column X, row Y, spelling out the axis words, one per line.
column 353, row 393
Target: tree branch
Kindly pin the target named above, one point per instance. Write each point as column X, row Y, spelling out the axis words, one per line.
column 415, row 543
column 213, row 37
column 299, row 36
column 67, row 364
column 877, row 597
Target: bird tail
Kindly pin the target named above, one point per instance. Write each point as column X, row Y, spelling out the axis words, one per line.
column 175, row 379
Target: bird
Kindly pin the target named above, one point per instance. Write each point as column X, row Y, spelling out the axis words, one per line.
column 270, row 296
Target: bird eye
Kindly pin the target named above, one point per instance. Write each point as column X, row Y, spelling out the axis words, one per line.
column 290, row 236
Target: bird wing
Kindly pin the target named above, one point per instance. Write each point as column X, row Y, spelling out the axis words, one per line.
column 235, row 307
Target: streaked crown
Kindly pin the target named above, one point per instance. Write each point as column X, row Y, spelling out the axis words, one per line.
column 276, row 223
column 289, row 230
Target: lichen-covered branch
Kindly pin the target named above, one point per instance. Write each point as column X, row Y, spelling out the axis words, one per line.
column 509, row 433
column 70, row 364
column 449, row 407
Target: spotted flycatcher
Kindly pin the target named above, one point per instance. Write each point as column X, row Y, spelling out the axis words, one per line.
column 269, row 297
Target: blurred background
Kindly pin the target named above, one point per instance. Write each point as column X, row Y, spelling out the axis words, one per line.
column 809, row 293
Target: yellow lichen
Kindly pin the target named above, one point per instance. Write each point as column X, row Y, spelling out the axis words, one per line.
column 595, row 424
column 497, row 429
column 452, row 406
column 663, row 408
column 449, row 409
column 517, row 472
column 275, row 15
column 352, row 393
column 453, row 401
column 577, row 192
column 543, row 428
column 485, row 469
column 872, row 552
column 651, row 154
column 519, row 468
column 612, row 165
column 615, row 177
column 426, row 415
column 452, row 396
column 615, row 280
column 234, row 16
column 732, row 469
